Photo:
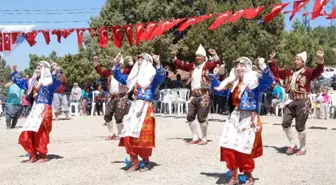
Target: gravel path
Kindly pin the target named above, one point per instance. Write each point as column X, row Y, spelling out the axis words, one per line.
column 79, row 155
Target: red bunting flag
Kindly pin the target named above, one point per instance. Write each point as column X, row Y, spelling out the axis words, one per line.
column 117, row 36
column 103, row 37
column 1, row 46
column 332, row 15
column 297, row 5
column 66, row 33
column 277, row 8
column 15, row 36
column 58, row 34
column 149, row 29
column 6, row 42
column 46, row 35
column 220, row 20
column 30, row 37
column 158, row 31
column 252, row 13
column 192, row 21
column 172, row 24
column 129, row 33
column 236, row 16
column 139, row 29
column 80, row 35
column 318, row 7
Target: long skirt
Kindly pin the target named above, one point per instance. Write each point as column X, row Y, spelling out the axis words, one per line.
column 36, row 142
column 143, row 145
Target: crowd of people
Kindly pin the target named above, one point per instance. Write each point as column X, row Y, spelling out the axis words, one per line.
column 129, row 88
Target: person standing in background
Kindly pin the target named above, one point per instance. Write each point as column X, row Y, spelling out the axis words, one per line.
column 13, row 107
column 26, row 105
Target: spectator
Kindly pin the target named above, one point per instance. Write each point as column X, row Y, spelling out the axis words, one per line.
column 26, row 105
column 60, row 99
column 87, row 101
column 278, row 96
column 75, row 95
column 167, row 84
column 178, row 82
column 325, row 103
column 317, row 99
column 13, row 107
column 99, row 99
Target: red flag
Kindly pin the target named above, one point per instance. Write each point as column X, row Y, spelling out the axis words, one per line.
column 332, row 15
column 298, row 4
column 58, row 34
column 252, row 13
column 7, row 42
column 172, row 24
column 66, row 33
column 220, row 20
column 158, row 31
column 236, row 16
column 46, row 35
column 129, row 33
column 192, row 21
column 139, row 29
column 117, row 36
column 1, row 46
column 14, row 36
column 30, row 37
column 277, row 8
column 103, row 37
column 80, row 34
column 92, row 32
column 149, row 29
column 318, row 7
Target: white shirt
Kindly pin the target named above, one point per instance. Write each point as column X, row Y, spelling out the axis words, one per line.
column 196, row 78
column 116, row 87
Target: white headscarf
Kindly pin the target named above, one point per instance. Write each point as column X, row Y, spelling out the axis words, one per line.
column 45, row 77
column 250, row 80
column 142, row 75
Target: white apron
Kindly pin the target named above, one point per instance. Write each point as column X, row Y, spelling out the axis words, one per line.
column 34, row 119
column 133, row 121
column 238, row 134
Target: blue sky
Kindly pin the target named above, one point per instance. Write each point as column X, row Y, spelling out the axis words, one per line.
column 20, row 55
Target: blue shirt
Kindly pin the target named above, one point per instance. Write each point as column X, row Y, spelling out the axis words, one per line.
column 14, row 94
column 278, row 90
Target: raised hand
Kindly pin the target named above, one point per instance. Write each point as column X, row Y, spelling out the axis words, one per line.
column 320, row 55
column 217, row 69
column 95, row 61
column 173, row 55
column 14, row 68
column 272, row 55
column 212, row 52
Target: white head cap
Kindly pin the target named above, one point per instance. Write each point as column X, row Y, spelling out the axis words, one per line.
column 201, row 51
column 303, row 56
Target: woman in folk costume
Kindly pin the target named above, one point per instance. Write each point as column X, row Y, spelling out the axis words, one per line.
column 241, row 137
column 138, row 134
column 34, row 137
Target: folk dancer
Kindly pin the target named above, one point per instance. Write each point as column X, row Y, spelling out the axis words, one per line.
column 34, row 137
column 297, row 84
column 199, row 104
column 241, row 137
column 117, row 103
column 138, row 134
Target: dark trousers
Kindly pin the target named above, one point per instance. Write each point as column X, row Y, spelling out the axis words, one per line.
column 200, row 107
column 116, row 107
column 298, row 109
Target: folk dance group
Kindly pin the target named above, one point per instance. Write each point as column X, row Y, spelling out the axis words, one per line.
column 241, row 140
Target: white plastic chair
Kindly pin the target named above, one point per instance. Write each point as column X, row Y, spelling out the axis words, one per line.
column 76, row 109
column 281, row 105
column 93, row 108
column 333, row 104
column 174, row 93
column 166, row 100
column 183, row 100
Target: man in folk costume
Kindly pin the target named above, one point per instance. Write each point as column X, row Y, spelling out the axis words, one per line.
column 199, row 104
column 34, row 137
column 297, row 84
column 241, row 137
column 117, row 104
column 138, row 134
